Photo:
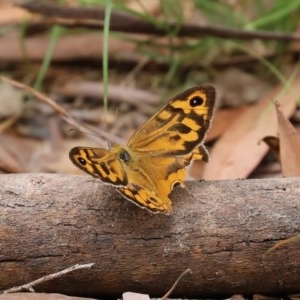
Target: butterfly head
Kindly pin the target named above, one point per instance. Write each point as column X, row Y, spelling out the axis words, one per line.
column 124, row 156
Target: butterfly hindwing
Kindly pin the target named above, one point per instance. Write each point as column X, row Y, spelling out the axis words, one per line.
column 151, row 184
column 145, row 199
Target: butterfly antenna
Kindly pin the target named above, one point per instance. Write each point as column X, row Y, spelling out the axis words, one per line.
column 84, row 132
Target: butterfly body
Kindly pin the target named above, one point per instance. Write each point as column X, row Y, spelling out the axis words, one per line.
column 155, row 159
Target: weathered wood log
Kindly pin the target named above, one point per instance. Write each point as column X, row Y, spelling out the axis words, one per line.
column 222, row 230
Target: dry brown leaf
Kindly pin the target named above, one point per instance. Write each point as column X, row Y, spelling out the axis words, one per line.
column 29, row 148
column 9, row 162
column 238, row 152
column 289, row 144
column 10, row 14
column 11, row 101
column 237, row 297
column 95, row 89
column 238, row 87
column 273, row 143
column 38, row 296
column 58, row 161
column 151, row 7
column 134, row 296
column 67, row 48
column 264, row 297
column 223, row 118
column 294, row 297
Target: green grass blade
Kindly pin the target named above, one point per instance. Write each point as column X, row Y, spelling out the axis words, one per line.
column 54, row 35
column 108, row 7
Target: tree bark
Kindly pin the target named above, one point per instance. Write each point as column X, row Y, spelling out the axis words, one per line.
column 223, row 231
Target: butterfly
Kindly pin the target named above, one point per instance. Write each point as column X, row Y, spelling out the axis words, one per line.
column 154, row 160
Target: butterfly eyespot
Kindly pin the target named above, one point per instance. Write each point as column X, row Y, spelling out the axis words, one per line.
column 82, row 161
column 196, row 101
column 124, row 156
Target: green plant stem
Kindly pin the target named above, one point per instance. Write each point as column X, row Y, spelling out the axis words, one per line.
column 54, row 35
column 108, row 7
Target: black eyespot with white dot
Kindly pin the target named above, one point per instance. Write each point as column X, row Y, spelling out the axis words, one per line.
column 82, row 161
column 196, row 101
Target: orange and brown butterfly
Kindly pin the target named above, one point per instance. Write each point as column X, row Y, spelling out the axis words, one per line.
column 155, row 158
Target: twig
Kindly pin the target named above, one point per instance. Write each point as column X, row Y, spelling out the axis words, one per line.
column 29, row 286
column 187, row 271
column 60, row 110
column 282, row 243
column 124, row 22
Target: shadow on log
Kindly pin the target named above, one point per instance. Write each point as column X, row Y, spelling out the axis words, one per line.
column 221, row 230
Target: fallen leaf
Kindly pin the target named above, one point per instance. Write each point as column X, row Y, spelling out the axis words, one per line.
column 294, row 297
column 39, row 296
column 223, row 118
column 273, row 143
column 237, row 152
column 264, row 297
column 67, row 48
column 238, row 87
column 8, row 162
column 134, row 296
column 10, row 14
column 11, row 100
column 289, row 144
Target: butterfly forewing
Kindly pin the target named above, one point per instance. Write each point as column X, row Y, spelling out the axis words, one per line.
column 100, row 163
column 179, row 126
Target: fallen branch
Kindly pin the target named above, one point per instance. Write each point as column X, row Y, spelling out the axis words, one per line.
column 221, row 230
column 123, row 22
